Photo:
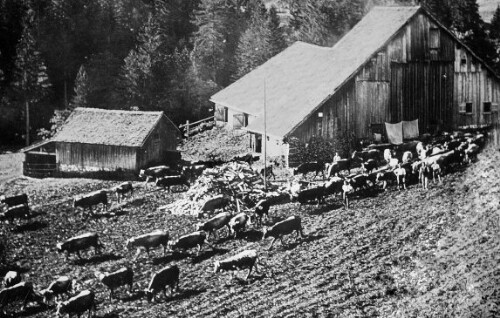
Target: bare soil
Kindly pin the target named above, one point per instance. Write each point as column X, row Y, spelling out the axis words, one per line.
column 394, row 253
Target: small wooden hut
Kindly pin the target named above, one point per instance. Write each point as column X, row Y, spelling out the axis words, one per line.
column 98, row 140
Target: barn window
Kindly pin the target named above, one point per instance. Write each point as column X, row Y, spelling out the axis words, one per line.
column 465, row 108
column 434, row 38
column 468, row 108
column 463, row 59
column 487, row 107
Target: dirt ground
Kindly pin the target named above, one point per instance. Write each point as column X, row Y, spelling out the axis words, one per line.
column 393, row 254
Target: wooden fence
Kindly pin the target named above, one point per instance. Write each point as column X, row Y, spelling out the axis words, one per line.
column 39, row 170
column 197, row 127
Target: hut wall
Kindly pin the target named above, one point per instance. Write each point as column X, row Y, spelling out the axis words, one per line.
column 89, row 157
column 159, row 146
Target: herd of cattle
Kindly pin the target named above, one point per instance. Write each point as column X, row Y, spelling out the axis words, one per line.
column 416, row 162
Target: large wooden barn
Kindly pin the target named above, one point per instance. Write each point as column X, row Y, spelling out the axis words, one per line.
column 105, row 141
column 397, row 64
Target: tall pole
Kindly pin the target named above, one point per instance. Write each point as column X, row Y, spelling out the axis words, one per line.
column 265, row 136
column 27, row 123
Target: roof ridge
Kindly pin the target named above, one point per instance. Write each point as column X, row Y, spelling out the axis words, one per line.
column 123, row 111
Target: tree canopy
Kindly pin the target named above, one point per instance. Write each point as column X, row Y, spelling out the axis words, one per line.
column 170, row 55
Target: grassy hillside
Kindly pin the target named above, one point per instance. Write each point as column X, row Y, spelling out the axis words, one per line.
column 411, row 253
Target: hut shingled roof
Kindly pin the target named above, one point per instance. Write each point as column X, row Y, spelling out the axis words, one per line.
column 108, row 127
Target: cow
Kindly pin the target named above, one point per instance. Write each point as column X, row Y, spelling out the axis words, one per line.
column 268, row 172
column 62, row 285
column 156, row 173
column 437, row 171
column 121, row 277
column 122, row 189
column 195, row 239
column 238, row 223
column 193, row 171
column 167, row 276
column 407, row 156
column 78, row 304
column 168, row 181
column 339, row 166
column 19, row 292
column 215, row 223
column 261, row 209
column 245, row 259
column 248, row 158
column 369, row 165
column 471, row 152
column 347, row 191
column 11, row 278
column 333, row 186
column 400, row 173
column 358, row 181
column 307, row 167
column 78, row 243
column 16, row 212
column 364, row 155
column 14, row 200
column 311, row 194
column 217, row 202
column 285, row 227
column 148, row 241
column 425, row 174
column 384, row 177
column 90, row 199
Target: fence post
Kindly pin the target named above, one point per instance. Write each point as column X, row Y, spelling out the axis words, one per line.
column 187, row 129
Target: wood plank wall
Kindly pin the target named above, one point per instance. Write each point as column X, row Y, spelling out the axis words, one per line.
column 87, row 157
column 417, row 75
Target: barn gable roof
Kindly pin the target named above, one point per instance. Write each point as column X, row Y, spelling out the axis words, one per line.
column 304, row 76
column 108, row 127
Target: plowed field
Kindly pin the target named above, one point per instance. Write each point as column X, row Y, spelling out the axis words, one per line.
column 371, row 260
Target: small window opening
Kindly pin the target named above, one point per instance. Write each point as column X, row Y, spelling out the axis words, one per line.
column 468, row 108
column 487, row 107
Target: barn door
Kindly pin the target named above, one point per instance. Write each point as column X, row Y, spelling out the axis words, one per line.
column 396, row 107
column 239, row 121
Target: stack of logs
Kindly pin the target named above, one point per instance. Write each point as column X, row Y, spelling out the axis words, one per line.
column 220, row 186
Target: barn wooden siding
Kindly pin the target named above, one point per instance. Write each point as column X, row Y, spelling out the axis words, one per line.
column 477, row 85
column 159, row 145
column 417, row 75
column 90, row 157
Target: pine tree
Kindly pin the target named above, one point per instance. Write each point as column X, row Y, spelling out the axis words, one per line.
column 138, row 73
column 220, row 25
column 82, row 89
column 254, row 45
column 31, row 82
column 495, row 25
column 277, row 41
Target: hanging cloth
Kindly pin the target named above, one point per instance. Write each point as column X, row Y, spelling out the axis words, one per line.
column 410, row 129
column 394, row 133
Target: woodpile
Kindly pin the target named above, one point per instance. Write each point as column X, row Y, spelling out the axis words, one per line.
column 223, row 185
